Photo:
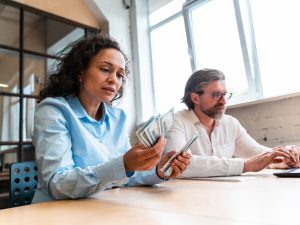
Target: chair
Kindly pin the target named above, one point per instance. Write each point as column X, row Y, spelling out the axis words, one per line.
column 23, row 182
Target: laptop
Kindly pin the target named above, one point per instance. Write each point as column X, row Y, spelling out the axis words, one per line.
column 294, row 172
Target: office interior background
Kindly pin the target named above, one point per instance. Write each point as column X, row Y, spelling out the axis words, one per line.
column 255, row 43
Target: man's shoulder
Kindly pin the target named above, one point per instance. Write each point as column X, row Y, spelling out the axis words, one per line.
column 186, row 118
column 184, row 113
column 228, row 120
column 227, row 117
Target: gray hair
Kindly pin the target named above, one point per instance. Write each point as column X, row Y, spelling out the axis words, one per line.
column 197, row 81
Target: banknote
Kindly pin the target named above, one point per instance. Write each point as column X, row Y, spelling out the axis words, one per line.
column 152, row 130
column 166, row 121
column 155, row 127
column 142, row 136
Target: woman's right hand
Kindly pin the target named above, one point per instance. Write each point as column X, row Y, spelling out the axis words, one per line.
column 141, row 158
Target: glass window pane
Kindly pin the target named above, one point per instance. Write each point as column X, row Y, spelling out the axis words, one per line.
column 278, row 46
column 29, row 105
column 48, row 36
column 8, row 154
column 9, row 22
column 170, row 71
column 34, row 32
column 8, row 148
column 35, row 74
column 9, row 71
column 217, row 43
column 57, row 44
column 9, row 118
column 166, row 11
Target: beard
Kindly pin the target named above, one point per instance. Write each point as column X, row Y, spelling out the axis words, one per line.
column 215, row 112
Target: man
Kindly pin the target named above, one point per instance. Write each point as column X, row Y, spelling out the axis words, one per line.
column 223, row 148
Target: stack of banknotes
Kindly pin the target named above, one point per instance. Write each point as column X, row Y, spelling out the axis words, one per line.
column 157, row 126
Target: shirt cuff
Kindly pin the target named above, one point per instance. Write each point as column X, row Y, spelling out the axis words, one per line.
column 130, row 173
column 112, row 170
column 163, row 179
column 154, row 178
column 236, row 166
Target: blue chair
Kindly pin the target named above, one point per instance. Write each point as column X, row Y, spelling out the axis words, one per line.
column 23, row 182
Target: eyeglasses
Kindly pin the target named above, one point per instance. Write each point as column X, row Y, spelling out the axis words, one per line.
column 217, row 95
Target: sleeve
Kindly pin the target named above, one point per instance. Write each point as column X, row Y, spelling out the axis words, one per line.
column 245, row 145
column 178, row 134
column 142, row 178
column 210, row 166
column 57, row 170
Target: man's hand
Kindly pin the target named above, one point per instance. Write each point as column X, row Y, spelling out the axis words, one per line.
column 284, row 163
column 262, row 160
column 179, row 164
column 295, row 151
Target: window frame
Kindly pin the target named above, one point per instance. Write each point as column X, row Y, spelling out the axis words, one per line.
column 249, row 52
column 250, row 60
column 22, row 52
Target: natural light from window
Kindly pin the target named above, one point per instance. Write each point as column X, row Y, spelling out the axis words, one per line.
column 217, row 44
column 166, row 11
column 255, row 43
column 278, row 45
column 171, row 65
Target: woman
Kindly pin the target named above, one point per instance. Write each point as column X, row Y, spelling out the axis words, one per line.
column 80, row 139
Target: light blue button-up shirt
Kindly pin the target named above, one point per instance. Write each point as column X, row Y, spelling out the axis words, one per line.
column 78, row 155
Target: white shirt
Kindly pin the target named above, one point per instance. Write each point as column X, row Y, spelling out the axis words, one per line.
column 222, row 155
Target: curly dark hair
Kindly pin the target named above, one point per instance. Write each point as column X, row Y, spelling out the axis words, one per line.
column 74, row 59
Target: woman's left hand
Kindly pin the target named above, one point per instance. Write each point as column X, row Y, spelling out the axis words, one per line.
column 179, row 164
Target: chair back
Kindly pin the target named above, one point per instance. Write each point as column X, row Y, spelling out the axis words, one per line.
column 23, row 182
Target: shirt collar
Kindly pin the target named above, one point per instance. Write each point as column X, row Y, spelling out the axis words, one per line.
column 103, row 109
column 193, row 117
column 80, row 112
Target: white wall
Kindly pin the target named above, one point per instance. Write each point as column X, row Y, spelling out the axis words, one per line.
column 271, row 123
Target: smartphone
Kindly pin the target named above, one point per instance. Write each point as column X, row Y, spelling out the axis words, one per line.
column 167, row 168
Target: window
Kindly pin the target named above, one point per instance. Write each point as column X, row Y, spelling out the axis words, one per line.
column 171, row 66
column 249, row 42
column 170, row 70
column 28, row 48
column 216, row 44
column 246, row 39
column 277, row 41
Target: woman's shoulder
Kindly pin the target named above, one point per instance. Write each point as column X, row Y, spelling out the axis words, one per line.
column 53, row 101
column 52, row 105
